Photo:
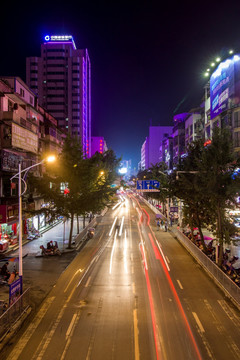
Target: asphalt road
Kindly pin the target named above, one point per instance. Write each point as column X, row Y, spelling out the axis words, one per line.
column 131, row 293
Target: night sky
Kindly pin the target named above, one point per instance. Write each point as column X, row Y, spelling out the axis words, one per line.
column 147, row 57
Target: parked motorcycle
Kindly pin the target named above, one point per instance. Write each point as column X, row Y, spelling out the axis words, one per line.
column 51, row 249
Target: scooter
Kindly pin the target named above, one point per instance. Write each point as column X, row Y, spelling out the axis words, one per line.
column 90, row 233
column 51, row 251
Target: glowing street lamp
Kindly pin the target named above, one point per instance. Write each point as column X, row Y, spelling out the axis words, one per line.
column 49, row 159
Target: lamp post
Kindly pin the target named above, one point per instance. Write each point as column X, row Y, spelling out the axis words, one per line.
column 168, row 207
column 20, row 194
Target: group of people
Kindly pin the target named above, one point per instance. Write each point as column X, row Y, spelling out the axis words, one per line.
column 162, row 224
column 51, row 246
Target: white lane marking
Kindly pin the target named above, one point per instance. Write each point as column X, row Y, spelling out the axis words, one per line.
column 42, row 347
column 167, row 259
column 121, row 226
column 114, row 222
column 180, row 285
column 230, row 313
column 198, row 322
column 112, row 252
column 232, row 346
column 87, row 283
column 70, row 326
column 163, row 256
column 70, row 336
column 136, row 332
column 30, row 330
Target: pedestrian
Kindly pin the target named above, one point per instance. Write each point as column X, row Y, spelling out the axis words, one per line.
column 166, row 225
column 162, row 224
column 158, row 225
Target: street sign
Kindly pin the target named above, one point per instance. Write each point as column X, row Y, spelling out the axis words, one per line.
column 173, row 209
column 147, row 185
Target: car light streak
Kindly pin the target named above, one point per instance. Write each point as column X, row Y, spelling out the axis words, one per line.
column 142, row 248
column 180, row 308
column 114, row 222
column 114, row 207
column 121, row 226
column 76, row 272
column 165, row 268
column 157, row 344
column 125, row 253
column 112, row 252
column 163, row 256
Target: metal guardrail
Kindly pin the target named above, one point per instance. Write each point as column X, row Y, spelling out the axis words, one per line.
column 221, row 279
column 14, row 313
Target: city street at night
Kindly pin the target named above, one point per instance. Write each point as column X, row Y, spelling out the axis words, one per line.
column 132, row 292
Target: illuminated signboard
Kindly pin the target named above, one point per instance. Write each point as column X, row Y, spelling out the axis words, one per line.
column 24, row 139
column 59, row 38
column 224, row 85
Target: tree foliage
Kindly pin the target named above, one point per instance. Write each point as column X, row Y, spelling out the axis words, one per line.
column 86, row 182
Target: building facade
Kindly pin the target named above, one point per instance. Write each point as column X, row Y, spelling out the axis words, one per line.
column 98, row 144
column 25, row 139
column 61, row 78
column 150, row 147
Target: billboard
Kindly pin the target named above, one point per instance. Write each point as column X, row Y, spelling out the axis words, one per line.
column 224, row 86
column 24, row 139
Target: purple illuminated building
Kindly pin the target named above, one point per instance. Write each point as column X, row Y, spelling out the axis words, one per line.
column 98, row 144
column 150, row 147
column 61, row 78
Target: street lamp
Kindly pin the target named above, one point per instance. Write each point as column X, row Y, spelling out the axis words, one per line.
column 49, row 159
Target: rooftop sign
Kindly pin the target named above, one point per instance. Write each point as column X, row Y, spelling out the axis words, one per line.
column 59, row 38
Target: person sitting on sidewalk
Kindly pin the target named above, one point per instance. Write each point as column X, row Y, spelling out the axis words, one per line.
column 4, row 271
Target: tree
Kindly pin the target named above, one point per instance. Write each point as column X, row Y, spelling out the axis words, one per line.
column 219, row 164
column 87, row 180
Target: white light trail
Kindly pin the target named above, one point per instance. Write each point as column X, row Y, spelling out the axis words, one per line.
column 117, row 204
column 125, row 253
column 111, row 259
column 114, row 222
column 163, row 256
column 121, row 226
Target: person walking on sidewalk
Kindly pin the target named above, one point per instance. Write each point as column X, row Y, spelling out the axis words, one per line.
column 166, row 225
column 158, row 225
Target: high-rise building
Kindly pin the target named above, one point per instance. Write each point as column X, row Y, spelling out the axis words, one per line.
column 61, row 77
column 150, row 147
column 98, row 144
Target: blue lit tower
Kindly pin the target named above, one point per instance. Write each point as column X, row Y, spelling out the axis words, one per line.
column 61, row 78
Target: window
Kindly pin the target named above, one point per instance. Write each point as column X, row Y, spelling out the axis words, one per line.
column 55, row 73
column 22, row 92
column 236, row 117
column 236, row 140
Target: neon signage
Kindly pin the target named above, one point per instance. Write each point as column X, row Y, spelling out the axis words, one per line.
column 58, row 38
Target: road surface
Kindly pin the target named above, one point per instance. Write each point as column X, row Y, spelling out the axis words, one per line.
column 131, row 293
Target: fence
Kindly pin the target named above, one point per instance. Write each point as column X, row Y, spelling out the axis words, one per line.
column 14, row 313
